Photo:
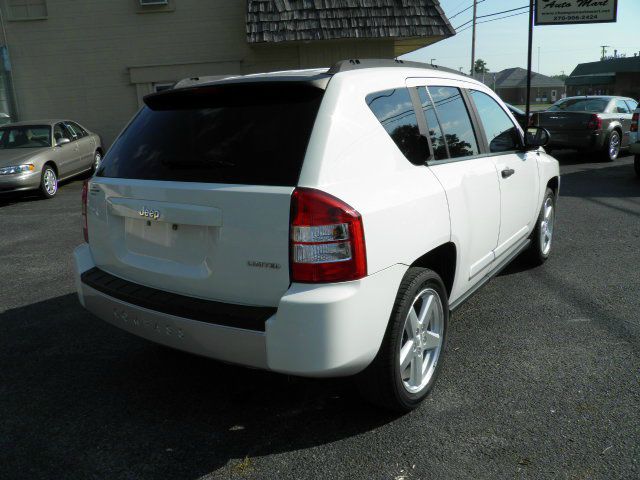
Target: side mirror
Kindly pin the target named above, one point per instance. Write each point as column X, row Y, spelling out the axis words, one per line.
column 536, row 137
column 62, row 141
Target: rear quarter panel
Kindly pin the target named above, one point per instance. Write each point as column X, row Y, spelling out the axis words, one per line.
column 350, row 155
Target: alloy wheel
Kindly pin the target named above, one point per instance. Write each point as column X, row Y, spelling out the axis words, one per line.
column 546, row 226
column 50, row 182
column 422, row 339
column 614, row 146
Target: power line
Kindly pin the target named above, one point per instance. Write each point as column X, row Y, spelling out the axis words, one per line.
column 493, row 15
column 462, row 11
column 492, row 20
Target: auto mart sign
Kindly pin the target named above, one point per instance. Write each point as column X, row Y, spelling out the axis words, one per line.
column 562, row 12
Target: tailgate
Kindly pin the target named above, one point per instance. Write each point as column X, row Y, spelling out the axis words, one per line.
column 194, row 197
column 218, row 242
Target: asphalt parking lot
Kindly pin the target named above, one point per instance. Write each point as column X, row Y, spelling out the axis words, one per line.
column 541, row 378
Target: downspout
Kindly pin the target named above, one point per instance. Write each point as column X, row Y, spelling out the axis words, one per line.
column 14, row 98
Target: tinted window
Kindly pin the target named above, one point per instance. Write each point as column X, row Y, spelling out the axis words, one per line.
column 632, row 105
column 253, row 134
column 502, row 134
column 621, row 107
column 394, row 110
column 435, row 132
column 61, row 131
column 454, row 121
column 595, row 105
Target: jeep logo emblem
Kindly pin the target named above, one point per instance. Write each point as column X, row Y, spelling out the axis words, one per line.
column 149, row 213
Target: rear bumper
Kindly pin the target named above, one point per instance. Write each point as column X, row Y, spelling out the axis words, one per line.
column 16, row 183
column 317, row 331
column 579, row 140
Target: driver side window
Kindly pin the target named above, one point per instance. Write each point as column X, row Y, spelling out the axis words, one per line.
column 60, row 131
column 502, row 134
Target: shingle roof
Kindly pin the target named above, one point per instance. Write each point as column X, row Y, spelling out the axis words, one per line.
column 615, row 65
column 304, row 20
column 517, row 78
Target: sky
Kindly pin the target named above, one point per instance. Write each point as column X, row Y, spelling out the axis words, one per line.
column 503, row 43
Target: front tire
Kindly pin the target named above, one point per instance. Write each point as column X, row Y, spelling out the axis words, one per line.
column 48, row 182
column 409, row 359
column 612, row 147
column 542, row 238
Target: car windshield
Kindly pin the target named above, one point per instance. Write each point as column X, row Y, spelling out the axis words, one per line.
column 28, row 136
column 595, row 105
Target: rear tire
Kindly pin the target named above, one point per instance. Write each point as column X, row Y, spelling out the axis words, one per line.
column 401, row 386
column 542, row 237
column 48, row 182
column 612, row 147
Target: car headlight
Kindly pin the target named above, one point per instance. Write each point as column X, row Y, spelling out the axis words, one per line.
column 17, row 169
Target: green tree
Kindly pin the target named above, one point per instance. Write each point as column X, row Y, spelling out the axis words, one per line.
column 480, row 66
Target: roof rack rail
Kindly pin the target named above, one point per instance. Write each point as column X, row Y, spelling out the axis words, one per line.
column 359, row 64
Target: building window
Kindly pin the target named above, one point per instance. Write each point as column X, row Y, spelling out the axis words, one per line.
column 161, row 87
column 27, row 9
column 155, row 6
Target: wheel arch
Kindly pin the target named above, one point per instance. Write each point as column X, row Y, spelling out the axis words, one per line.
column 53, row 165
column 442, row 260
column 554, row 184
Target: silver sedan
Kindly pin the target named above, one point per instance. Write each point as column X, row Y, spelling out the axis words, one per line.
column 36, row 155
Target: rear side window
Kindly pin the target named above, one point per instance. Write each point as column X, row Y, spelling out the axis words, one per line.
column 632, row 105
column 621, row 107
column 394, row 110
column 255, row 134
column 454, row 121
column 502, row 134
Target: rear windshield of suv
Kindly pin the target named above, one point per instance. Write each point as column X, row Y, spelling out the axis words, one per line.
column 254, row 134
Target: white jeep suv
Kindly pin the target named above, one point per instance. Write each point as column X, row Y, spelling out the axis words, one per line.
column 316, row 223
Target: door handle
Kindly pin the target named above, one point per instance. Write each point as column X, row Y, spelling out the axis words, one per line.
column 507, row 172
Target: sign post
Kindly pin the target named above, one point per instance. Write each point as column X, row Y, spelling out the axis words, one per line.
column 566, row 12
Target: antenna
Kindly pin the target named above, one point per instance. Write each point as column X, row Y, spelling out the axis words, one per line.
column 604, row 51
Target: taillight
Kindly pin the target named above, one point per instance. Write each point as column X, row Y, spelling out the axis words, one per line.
column 85, row 226
column 634, row 122
column 595, row 123
column 327, row 239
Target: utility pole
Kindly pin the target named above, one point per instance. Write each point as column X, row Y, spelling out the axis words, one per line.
column 529, row 48
column 604, row 51
column 473, row 37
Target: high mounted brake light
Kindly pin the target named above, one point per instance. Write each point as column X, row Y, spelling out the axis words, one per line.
column 327, row 239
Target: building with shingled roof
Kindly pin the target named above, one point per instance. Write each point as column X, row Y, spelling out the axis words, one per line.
column 511, row 85
column 613, row 76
